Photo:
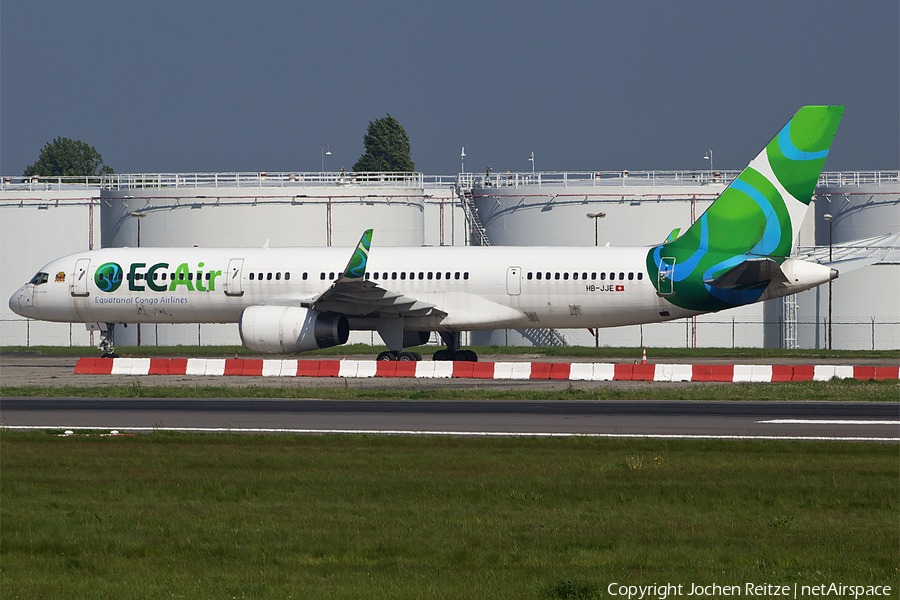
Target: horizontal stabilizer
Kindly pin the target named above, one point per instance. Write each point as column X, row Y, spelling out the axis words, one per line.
column 751, row 274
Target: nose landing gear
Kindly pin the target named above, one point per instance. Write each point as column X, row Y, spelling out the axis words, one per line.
column 107, row 341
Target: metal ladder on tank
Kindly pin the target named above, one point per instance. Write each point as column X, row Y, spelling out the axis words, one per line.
column 538, row 337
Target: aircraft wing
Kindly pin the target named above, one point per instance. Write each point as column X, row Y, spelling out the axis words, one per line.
column 753, row 273
column 352, row 295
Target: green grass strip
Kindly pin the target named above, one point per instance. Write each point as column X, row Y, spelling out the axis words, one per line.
column 834, row 390
column 226, row 516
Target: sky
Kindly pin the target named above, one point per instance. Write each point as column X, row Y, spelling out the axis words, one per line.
column 218, row 86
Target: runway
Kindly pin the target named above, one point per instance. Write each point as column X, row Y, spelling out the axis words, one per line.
column 848, row 421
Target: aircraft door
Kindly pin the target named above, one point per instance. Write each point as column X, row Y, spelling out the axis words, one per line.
column 664, row 284
column 79, row 285
column 233, row 277
column 514, row 281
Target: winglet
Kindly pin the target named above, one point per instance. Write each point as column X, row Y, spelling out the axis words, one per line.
column 356, row 268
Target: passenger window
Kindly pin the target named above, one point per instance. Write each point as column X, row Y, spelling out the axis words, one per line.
column 447, row 275
column 376, row 275
column 268, row 277
column 402, row 274
column 393, row 276
column 430, row 274
column 437, row 275
column 566, row 276
column 457, row 275
column 539, row 275
column 164, row 276
column 593, row 276
column 421, row 275
column 556, row 276
column 304, row 276
column 322, row 276
column 367, row 276
column 630, row 276
column 287, row 276
column 640, row 276
column 574, row 275
column 547, row 276
column 252, row 276
column 584, row 275
column 602, row 276
column 466, row 275
column 277, row 276
column 621, row 276
column 529, row 276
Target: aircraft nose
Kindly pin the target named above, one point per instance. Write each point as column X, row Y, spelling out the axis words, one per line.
column 17, row 302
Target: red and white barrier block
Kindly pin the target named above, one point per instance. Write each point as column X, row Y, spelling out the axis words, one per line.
column 478, row 370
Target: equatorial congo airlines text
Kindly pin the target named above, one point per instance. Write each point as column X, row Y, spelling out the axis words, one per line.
column 749, row 590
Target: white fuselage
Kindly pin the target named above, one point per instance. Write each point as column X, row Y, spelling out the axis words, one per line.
column 472, row 288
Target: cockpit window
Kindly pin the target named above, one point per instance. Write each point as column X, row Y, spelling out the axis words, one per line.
column 39, row 279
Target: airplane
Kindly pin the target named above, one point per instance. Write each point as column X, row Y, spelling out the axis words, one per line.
column 290, row 300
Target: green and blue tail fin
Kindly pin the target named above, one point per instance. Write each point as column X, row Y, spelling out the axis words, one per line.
column 757, row 218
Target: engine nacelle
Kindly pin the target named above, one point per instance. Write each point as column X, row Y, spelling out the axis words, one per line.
column 289, row 329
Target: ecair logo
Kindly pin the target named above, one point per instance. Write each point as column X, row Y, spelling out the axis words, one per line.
column 109, row 277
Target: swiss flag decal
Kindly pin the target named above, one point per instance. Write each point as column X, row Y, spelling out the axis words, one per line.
column 620, row 288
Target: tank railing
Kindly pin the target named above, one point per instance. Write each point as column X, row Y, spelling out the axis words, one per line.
column 840, row 178
column 261, row 180
column 47, row 184
column 597, row 178
column 413, row 180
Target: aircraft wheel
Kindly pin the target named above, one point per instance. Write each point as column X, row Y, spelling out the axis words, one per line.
column 466, row 356
column 440, row 355
column 387, row 356
column 410, row 356
column 109, row 355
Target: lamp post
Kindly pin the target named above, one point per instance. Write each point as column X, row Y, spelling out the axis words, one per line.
column 827, row 217
column 709, row 157
column 596, row 216
column 138, row 216
column 462, row 159
column 532, row 163
column 326, row 150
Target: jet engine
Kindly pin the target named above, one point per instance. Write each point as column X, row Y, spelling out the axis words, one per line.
column 289, row 329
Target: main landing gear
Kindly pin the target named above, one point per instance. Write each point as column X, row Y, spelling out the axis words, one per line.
column 452, row 351
column 401, row 356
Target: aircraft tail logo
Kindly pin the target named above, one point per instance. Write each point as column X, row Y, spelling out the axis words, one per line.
column 756, row 218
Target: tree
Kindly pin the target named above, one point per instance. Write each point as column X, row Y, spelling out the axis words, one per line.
column 66, row 158
column 387, row 148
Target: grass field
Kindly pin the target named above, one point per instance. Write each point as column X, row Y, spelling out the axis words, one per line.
column 426, row 351
column 227, row 516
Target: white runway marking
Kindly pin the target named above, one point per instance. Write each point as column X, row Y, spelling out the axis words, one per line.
column 463, row 433
column 828, row 422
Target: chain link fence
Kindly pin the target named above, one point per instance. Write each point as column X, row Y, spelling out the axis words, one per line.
column 871, row 333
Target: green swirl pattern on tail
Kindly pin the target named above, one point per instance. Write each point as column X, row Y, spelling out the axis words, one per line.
column 357, row 267
column 757, row 216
